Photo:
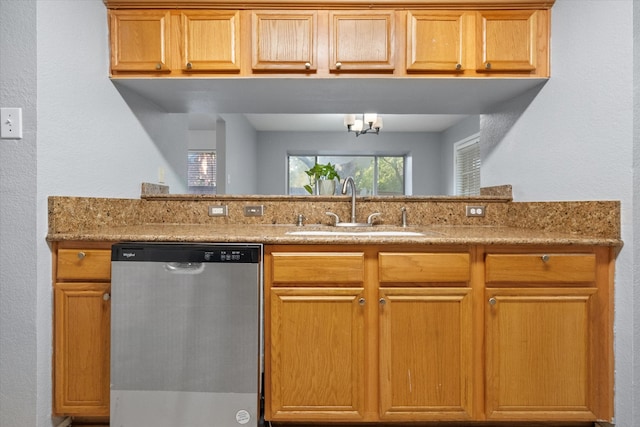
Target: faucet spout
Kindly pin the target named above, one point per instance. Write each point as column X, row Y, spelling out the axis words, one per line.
column 351, row 183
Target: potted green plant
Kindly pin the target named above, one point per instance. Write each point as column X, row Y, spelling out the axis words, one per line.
column 322, row 178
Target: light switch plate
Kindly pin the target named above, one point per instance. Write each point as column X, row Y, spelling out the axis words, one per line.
column 11, row 123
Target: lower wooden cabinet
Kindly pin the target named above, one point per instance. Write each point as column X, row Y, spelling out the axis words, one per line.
column 82, row 329
column 500, row 334
column 82, row 337
column 367, row 344
column 426, row 362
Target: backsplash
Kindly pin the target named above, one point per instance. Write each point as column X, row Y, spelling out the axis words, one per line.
column 589, row 218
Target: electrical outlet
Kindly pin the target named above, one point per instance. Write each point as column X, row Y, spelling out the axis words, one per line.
column 257, row 210
column 11, row 123
column 475, row 210
column 220, row 210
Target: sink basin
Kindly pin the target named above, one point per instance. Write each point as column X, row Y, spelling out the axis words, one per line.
column 371, row 233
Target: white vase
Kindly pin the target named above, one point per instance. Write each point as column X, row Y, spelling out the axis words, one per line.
column 326, row 187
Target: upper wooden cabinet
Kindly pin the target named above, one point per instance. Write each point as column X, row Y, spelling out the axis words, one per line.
column 361, row 41
column 174, row 42
column 139, row 40
column 510, row 40
column 210, row 40
column 284, row 40
column 436, row 41
column 423, row 40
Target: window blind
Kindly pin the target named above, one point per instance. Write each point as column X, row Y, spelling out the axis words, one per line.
column 468, row 168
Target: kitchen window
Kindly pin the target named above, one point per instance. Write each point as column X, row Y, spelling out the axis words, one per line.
column 382, row 175
column 201, row 172
column 467, row 167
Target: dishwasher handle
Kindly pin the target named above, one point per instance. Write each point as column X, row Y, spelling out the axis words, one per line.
column 184, row 267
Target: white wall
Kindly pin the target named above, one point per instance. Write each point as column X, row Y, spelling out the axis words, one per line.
column 82, row 137
column 273, row 148
column 23, row 359
column 575, row 142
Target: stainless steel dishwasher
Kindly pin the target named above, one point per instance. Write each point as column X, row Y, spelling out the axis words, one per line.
column 185, row 335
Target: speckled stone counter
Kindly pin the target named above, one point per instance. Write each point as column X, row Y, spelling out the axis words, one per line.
column 441, row 220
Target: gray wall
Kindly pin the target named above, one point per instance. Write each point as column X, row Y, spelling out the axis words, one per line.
column 273, row 148
column 23, row 356
column 574, row 141
column 240, row 169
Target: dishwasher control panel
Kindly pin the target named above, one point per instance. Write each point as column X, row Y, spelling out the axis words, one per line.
column 192, row 253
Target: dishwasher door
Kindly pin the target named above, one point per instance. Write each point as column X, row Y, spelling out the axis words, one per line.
column 185, row 335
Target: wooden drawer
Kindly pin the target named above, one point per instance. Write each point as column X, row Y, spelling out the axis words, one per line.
column 540, row 268
column 84, row 264
column 403, row 267
column 317, row 267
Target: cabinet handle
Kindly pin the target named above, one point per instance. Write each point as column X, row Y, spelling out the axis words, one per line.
column 81, row 255
column 338, row 65
column 492, row 301
column 545, row 258
column 361, row 301
column 189, row 65
column 487, row 65
column 382, row 301
column 158, row 66
column 458, row 66
column 307, row 65
column 106, row 296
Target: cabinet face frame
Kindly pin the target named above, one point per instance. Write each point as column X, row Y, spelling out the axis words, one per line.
column 140, row 40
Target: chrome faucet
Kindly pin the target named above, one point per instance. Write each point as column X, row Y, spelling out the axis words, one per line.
column 349, row 181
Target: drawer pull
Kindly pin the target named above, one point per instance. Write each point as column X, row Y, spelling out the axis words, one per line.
column 545, row 258
column 492, row 301
column 81, row 255
column 382, row 301
column 361, row 301
column 106, row 296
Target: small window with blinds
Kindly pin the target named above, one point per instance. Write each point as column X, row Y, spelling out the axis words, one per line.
column 201, row 172
column 467, row 167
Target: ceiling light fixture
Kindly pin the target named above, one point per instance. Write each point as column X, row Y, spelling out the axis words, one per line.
column 359, row 126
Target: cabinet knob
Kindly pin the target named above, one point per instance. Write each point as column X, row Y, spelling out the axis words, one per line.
column 106, row 296
column 158, row 66
column 382, row 301
column 81, row 255
column 307, row 65
column 338, row 65
column 492, row 301
column 189, row 65
column 545, row 258
column 361, row 301
column 458, row 66
column 487, row 65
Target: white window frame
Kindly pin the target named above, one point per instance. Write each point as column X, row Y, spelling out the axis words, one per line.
column 458, row 147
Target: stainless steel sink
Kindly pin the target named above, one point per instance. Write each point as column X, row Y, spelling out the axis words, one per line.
column 363, row 233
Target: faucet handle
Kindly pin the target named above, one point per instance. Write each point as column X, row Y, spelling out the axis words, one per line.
column 372, row 216
column 334, row 215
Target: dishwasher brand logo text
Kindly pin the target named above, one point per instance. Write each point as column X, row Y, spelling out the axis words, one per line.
column 129, row 254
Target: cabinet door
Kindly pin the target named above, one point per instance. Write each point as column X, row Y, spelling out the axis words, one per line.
column 436, row 41
column 284, row 40
column 361, row 41
column 539, row 344
column 507, row 40
column 316, row 355
column 210, row 40
column 81, row 348
column 139, row 40
column 425, row 354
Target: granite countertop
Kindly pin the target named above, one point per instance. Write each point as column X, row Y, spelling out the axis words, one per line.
column 280, row 234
